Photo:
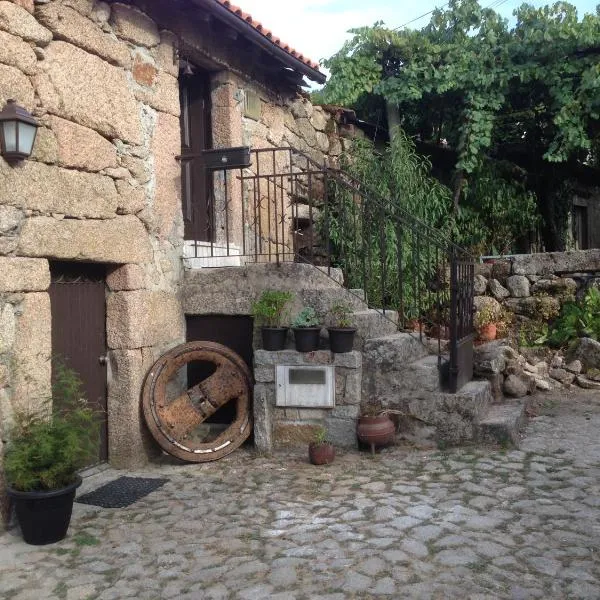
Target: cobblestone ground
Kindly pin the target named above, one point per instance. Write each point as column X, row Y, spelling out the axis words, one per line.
column 463, row 523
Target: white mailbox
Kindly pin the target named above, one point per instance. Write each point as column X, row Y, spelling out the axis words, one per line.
column 306, row 387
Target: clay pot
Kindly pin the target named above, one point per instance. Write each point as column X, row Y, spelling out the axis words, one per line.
column 376, row 431
column 487, row 333
column 321, row 454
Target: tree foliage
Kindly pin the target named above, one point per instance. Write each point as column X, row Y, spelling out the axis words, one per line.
column 529, row 94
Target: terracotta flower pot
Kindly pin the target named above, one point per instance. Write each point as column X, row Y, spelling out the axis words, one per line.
column 321, row 453
column 487, row 333
column 375, row 431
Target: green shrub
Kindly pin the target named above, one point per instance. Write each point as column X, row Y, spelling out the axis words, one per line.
column 578, row 319
column 307, row 317
column 341, row 315
column 48, row 446
column 270, row 308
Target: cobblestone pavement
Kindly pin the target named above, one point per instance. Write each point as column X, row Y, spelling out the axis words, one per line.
column 463, row 523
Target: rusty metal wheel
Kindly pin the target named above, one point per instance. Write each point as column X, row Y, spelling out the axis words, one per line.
column 177, row 424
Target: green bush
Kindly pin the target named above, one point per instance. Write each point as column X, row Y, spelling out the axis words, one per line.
column 578, row 319
column 48, row 446
column 270, row 308
column 307, row 317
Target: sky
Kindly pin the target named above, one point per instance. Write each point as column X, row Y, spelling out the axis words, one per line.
column 317, row 28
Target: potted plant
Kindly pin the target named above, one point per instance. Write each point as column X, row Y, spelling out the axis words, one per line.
column 320, row 451
column 270, row 311
column 374, row 427
column 485, row 322
column 46, row 449
column 341, row 330
column 307, row 329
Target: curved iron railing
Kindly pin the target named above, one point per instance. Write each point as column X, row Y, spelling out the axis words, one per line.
column 289, row 207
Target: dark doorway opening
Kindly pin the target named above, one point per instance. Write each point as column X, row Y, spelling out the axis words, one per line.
column 196, row 181
column 233, row 331
column 78, row 308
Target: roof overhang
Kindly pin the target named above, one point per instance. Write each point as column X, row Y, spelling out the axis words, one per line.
column 265, row 41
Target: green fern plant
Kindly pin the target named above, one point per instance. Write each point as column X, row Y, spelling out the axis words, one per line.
column 271, row 308
column 49, row 445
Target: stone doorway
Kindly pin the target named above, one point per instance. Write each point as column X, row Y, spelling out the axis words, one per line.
column 78, row 308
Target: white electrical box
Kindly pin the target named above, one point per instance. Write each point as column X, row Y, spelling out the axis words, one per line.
column 305, row 387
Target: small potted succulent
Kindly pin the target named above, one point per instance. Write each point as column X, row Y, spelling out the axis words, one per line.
column 45, row 450
column 341, row 330
column 270, row 310
column 307, row 329
column 320, row 451
column 486, row 320
column 374, row 427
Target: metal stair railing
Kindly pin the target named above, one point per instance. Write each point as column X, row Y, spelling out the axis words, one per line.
column 290, row 207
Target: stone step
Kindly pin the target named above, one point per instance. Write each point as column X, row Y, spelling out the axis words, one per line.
column 372, row 324
column 385, row 358
column 502, row 424
column 323, row 300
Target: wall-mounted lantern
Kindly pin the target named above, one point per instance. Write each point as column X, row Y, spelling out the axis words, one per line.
column 18, row 129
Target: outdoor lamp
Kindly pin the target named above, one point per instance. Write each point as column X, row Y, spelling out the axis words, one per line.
column 17, row 132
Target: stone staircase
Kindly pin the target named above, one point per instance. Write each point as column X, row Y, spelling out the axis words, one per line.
column 399, row 373
column 398, row 370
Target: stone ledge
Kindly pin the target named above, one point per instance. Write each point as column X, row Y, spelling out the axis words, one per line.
column 349, row 360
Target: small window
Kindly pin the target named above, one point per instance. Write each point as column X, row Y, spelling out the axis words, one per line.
column 252, row 105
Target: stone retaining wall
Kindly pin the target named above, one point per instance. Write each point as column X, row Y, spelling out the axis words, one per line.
column 533, row 286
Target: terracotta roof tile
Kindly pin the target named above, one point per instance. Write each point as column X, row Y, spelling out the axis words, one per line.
column 236, row 10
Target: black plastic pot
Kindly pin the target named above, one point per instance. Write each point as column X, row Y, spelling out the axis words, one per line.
column 341, row 339
column 307, row 338
column 44, row 517
column 274, row 338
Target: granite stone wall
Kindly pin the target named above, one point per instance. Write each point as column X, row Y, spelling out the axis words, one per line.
column 103, row 183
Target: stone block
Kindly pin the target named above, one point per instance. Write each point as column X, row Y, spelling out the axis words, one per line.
column 14, row 52
column 346, row 412
column 479, row 285
column 144, row 70
column 134, row 26
column 587, row 351
column 7, row 329
column 319, row 119
column 83, row 7
column 349, row 360
column 52, row 190
column 129, row 442
column 100, row 12
column 341, row 432
column 263, row 417
column 563, row 286
column 481, row 302
column 164, row 53
column 28, row 5
column 32, row 352
column 126, row 278
column 67, row 24
column 81, row 147
column 163, row 95
column 352, row 388
column 131, row 199
column 501, row 270
column 264, row 374
column 19, row 21
column 557, row 262
column 45, row 148
column 166, row 145
column 24, row 274
column 84, row 88
column 16, row 86
column 143, row 318
column 10, row 217
column 498, row 290
column 518, row 286
column 120, row 240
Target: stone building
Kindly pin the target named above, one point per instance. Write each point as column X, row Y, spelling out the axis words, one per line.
column 96, row 230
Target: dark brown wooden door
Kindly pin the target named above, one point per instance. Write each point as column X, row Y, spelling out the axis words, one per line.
column 78, row 306
column 196, row 182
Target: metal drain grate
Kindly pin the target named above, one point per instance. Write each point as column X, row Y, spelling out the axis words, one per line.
column 121, row 492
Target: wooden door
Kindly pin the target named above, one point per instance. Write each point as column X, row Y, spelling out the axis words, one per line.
column 196, row 182
column 78, row 307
